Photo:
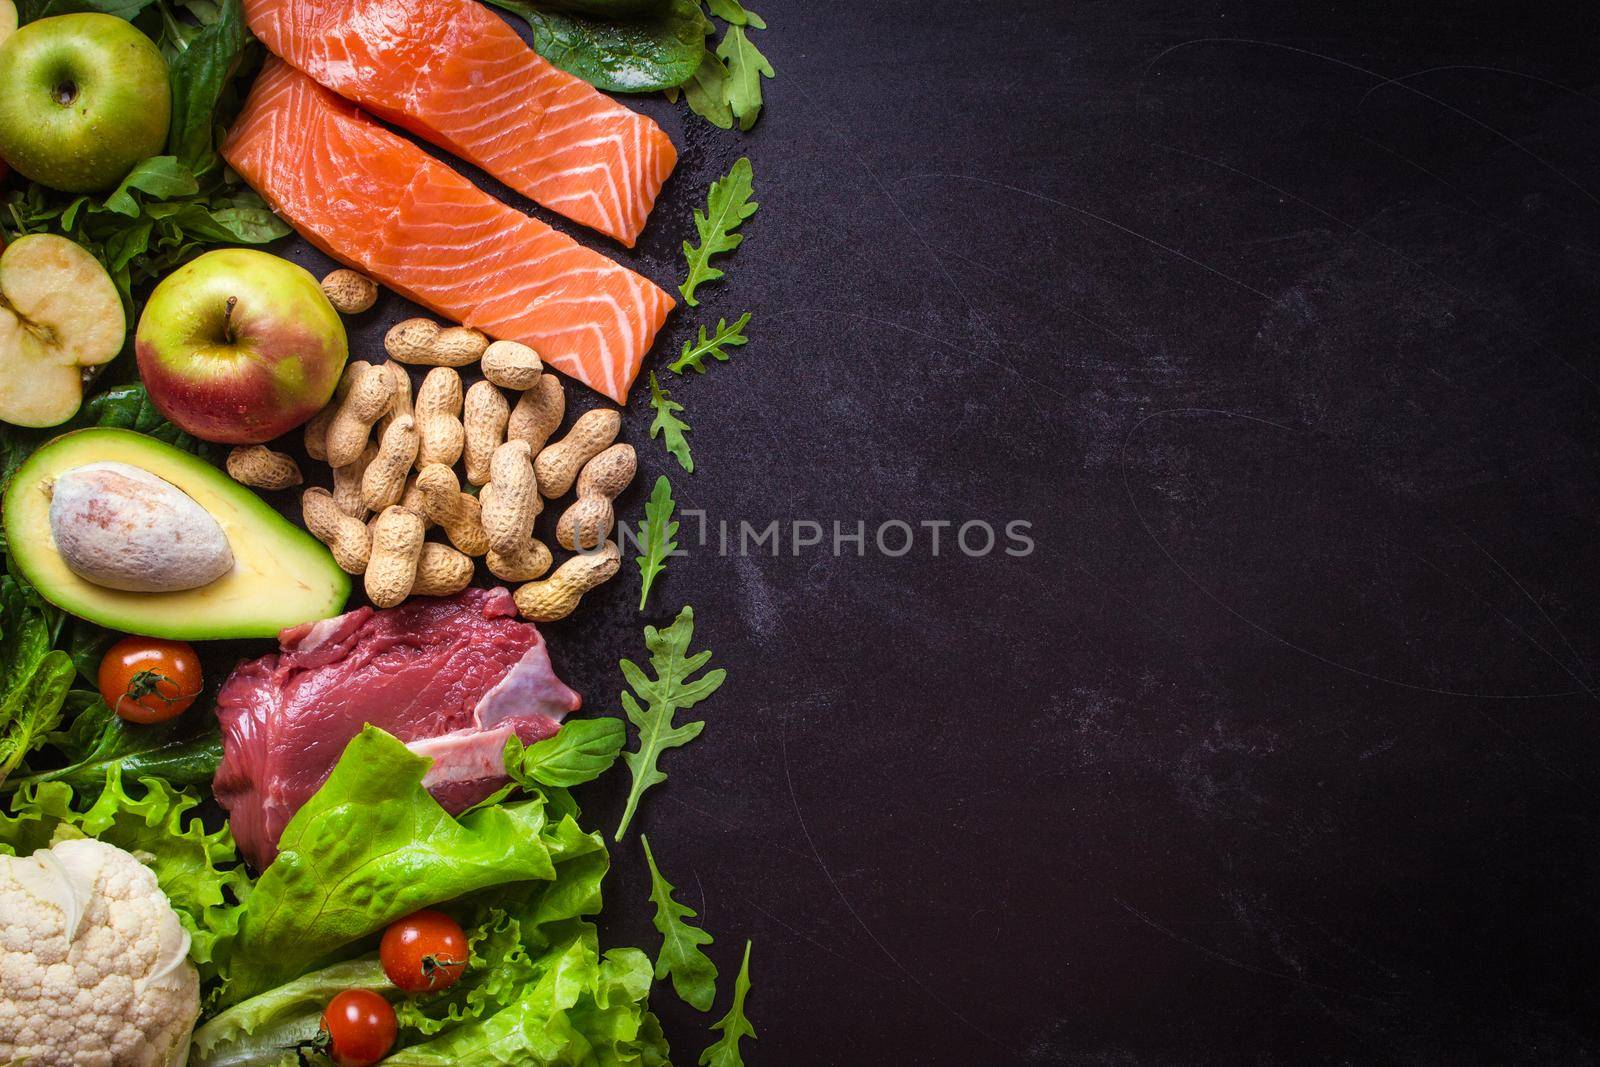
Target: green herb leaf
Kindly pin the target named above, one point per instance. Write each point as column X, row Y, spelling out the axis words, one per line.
column 734, row 12
column 695, row 352
column 637, row 55
column 707, row 92
column 693, row 974
column 746, row 67
column 581, row 751
column 162, row 177
column 667, row 423
column 672, row 689
column 261, row 1028
column 200, row 76
column 727, row 206
column 185, row 751
column 656, row 534
column 34, row 676
column 734, row 1026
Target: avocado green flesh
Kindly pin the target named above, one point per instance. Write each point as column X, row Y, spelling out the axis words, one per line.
column 282, row 576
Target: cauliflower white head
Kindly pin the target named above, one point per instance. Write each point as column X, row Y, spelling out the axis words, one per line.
column 94, row 968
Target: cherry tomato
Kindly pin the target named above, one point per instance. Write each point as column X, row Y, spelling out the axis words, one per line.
column 146, row 679
column 359, row 1028
column 424, row 952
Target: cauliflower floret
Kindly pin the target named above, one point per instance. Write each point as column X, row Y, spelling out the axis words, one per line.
column 94, row 968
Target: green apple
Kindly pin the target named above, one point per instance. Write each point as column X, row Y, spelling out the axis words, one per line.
column 239, row 346
column 86, row 97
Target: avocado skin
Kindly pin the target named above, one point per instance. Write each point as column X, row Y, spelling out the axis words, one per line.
column 282, row 575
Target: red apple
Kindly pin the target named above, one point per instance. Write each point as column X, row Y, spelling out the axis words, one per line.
column 239, row 346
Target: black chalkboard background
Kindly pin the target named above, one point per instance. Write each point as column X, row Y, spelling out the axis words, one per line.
column 1277, row 322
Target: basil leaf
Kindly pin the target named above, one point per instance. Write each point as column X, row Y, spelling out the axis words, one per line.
column 581, row 751
column 635, row 56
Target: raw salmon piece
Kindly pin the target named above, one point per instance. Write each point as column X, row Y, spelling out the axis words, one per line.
column 373, row 200
column 453, row 72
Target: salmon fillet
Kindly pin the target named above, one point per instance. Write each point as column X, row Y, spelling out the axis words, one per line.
column 456, row 74
column 377, row 202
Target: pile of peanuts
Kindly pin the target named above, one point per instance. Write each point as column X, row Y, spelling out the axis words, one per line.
column 394, row 456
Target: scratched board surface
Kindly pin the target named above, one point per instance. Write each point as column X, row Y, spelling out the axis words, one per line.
column 1278, row 325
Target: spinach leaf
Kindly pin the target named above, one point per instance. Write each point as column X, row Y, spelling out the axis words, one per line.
column 200, row 75
column 185, row 751
column 638, row 55
column 34, row 677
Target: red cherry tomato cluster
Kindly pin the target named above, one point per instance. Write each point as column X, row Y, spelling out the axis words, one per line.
column 422, row 953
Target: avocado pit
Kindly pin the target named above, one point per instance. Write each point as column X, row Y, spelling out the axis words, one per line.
column 121, row 527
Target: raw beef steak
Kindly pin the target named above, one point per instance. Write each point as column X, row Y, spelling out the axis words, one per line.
column 453, row 678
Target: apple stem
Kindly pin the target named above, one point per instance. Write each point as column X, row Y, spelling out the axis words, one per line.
column 227, row 319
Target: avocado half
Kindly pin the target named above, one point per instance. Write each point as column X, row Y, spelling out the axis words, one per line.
column 282, row 575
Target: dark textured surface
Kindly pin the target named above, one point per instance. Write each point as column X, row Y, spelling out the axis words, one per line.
column 1277, row 322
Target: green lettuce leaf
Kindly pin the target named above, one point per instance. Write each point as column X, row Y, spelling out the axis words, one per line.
column 369, row 847
column 258, row 1030
column 693, row 974
column 196, row 869
column 671, row 690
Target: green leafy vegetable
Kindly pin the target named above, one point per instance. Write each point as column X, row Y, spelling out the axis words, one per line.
column 636, row 55
column 34, row 676
column 667, row 423
column 746, row 67
column 671, row 690
column 733, row 12
column 201, row 73
column 693, row 974
column 727, row 207
column 197, row 870
column 261, row 1028
column 707, row 91
column 332, row 883
column 581, row 751
column 185, row 751
column 734, row 1026
column 725, row 337
column 656, row 533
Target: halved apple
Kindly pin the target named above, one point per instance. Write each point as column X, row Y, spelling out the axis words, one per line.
column 59, row 314
column 8, row 19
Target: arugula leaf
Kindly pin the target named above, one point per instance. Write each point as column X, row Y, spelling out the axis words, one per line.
column 670, row 691
column 734, row 12
column 668, row 423
column 695, row 352
column 331, row 885
column 746, row 67
column 734, row 1026
column 581, row 751
column 727, row 206
column 656, row 533
column 707, row 92
column 694, row 976
column 638, row 55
